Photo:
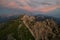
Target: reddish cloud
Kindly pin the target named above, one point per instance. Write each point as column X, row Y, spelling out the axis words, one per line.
column 47, row 9
column 27, row 8
column 13, row 4
column 21, row 0
column 3, row 2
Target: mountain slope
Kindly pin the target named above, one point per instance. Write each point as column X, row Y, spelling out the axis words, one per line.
column 16, row 29
column 41, row 29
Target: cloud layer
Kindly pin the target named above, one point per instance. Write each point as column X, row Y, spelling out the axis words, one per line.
column 32, row 5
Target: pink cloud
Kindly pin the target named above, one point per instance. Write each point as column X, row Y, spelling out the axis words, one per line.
column 8, row 4
column 13, row 4
column 3, row 2
column 26, row 7
column 47, row 9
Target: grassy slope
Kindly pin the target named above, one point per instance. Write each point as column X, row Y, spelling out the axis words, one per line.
column 12, row 27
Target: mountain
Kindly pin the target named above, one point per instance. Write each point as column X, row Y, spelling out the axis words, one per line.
column 38, row 17
column 15, row 11
column 26, row 27
column 41, row 28
column 56, row 14
column 11, row 13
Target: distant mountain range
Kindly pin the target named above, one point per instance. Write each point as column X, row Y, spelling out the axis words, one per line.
column 13, row 11
column 38, row 18
column 9, row 13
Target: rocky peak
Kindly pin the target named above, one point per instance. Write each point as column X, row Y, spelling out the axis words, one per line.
column 40, row 29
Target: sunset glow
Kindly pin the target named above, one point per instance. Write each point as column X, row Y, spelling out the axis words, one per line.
column 31, row 5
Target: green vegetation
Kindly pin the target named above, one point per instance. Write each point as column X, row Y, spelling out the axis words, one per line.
column 17, row 30
column 12, row 28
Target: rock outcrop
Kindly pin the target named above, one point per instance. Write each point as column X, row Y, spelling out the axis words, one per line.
column 40, row 29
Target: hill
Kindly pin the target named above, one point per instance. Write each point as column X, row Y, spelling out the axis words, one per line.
column 26, row 27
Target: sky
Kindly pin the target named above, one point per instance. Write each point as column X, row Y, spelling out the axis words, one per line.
column 32, row 5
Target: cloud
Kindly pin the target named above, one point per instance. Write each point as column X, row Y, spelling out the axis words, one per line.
column 31, row 5
column 16, row 4
column 11, row 4
column 47, row 9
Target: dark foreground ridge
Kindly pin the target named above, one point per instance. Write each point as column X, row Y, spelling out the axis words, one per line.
column 27, row 27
